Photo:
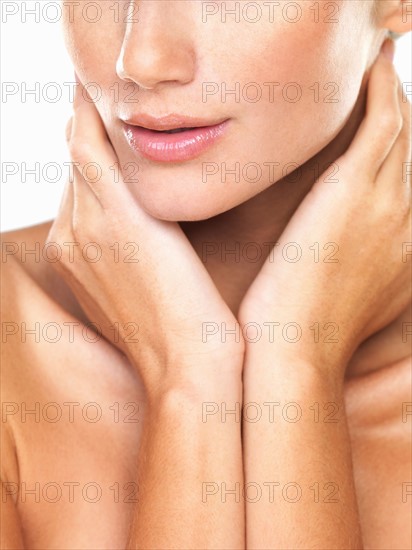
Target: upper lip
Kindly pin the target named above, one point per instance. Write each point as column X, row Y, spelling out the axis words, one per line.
column 170, row 122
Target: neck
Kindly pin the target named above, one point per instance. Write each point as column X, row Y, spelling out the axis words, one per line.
column 224, row 242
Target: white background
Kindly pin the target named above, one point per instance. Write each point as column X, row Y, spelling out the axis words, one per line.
column 33, row 131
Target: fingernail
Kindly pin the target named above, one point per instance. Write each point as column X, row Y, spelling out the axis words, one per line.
column 388, row 49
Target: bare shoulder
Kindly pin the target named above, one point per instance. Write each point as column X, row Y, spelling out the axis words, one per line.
column 22, row 286
column 30, row 298
column 42, row 321
column 379, row 408
column 24, row 281
column 25, row 245
column 48, row 353
column 27, row 261
column 59, row 393
column 29, row 280
column 35, row 305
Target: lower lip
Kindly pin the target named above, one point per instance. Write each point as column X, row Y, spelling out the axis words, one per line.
column 161, row 147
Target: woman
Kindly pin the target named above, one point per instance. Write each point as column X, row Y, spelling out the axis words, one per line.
column 228, row 282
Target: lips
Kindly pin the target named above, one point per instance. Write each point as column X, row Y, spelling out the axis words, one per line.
column 175, row 131
column 173, row 138
column 173, row 146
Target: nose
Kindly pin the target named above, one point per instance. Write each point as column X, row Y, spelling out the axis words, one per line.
column 157, row 47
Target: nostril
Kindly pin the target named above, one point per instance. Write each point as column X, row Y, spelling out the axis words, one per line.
column 156, row 57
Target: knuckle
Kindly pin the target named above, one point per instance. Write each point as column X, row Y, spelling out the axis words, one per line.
column 390, row 124
column 81, row 231
column 80, row 151
column 405, row 142
column 394, row 211
column 391, row 76
column 389, row 213
column 406, row 108
column 406, row 211
column 86, row 231
column 59, row 232
column 406, row 115
column 54, row 236
column 60, row 237
column 352, row 169
column 405, row 101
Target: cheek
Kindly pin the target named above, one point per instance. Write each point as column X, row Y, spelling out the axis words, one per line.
column 94, row 50
column 312, row 96
column 313, row 74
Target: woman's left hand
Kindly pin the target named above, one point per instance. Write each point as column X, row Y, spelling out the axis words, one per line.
column 353, row 234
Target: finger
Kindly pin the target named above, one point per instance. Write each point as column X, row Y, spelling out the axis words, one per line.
column 382, row 123
column 89, row 143
column 69, row 127
column 396, row 166
column 65, row 214
column 87, row 205
column 83, row 200
column 91, row 149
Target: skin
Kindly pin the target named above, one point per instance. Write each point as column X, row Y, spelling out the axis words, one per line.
column 172, row 452
column 176, row 63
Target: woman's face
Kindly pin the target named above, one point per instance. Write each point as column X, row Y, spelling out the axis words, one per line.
column 285, row 75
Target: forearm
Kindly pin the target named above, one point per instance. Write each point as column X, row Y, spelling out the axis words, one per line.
column 299, row 454
column 184, row 456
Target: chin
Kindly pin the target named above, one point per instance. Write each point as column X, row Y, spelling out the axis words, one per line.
column 181, row 207
column 179, row 193
column 186, row 192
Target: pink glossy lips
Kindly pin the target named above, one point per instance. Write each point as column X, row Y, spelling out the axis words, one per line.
column 172, row 138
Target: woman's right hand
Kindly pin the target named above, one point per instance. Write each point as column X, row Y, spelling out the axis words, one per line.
column 165, row 307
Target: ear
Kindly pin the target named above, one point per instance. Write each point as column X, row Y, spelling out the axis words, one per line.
column 395, row 15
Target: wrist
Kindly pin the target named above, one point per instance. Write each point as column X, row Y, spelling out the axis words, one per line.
column 194, row 380
column 194, row 392
column 269, row 364
column 322, row 344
